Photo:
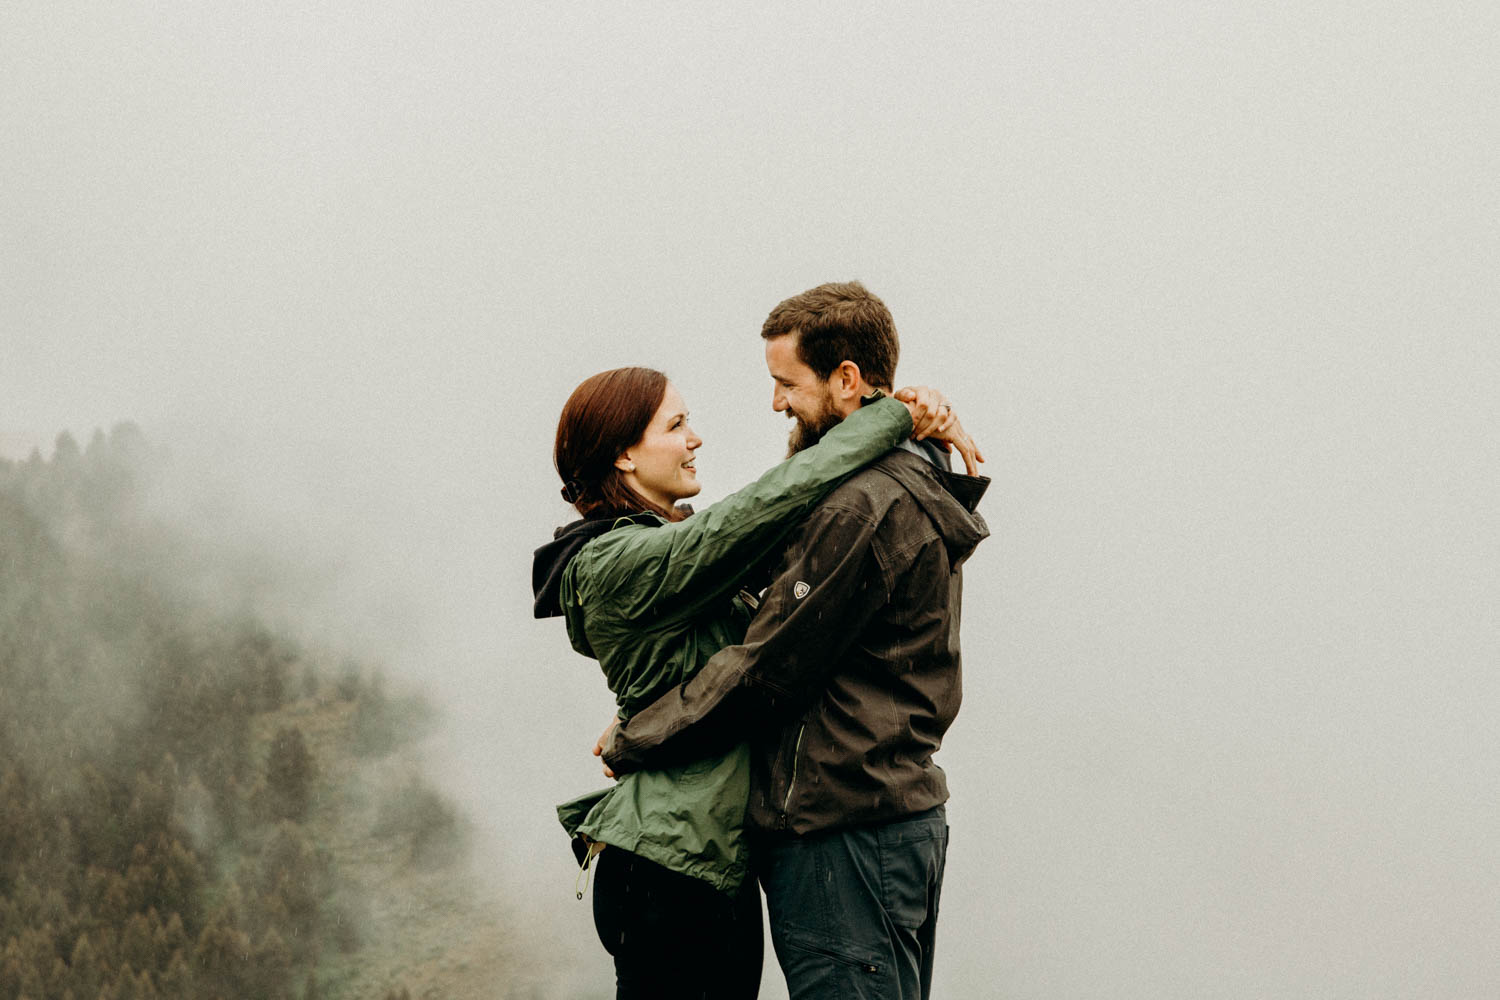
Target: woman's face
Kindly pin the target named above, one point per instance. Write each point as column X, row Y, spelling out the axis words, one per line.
column 660, row 465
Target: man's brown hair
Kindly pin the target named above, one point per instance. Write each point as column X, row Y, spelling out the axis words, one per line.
column 837, row 322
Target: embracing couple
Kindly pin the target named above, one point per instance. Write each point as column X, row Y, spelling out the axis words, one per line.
column 785, row 664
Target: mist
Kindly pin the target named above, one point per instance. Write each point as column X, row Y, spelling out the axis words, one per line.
column 1213, row 286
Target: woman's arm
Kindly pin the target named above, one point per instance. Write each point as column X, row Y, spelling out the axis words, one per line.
column 673, row 569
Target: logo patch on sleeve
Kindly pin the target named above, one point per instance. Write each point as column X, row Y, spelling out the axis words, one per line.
column 800, row 589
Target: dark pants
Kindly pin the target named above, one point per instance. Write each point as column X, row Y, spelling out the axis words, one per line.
column 854, row 912
column 674, row 937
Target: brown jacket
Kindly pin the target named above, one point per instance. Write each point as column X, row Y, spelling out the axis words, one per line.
column 849, row 675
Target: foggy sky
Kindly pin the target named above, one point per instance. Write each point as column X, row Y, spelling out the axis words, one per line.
column 1214, row 285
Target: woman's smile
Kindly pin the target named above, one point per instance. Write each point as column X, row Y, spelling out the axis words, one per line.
column 654, row 466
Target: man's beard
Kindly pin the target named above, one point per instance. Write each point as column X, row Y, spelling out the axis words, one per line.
column 808, row 432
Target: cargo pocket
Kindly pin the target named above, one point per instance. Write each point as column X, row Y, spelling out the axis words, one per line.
column 837, row 970
column 912, row 858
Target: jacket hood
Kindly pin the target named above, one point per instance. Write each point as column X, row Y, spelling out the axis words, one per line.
column 549, row 561
column 949, row 498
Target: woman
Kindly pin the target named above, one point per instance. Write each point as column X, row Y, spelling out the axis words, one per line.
column 652, row 593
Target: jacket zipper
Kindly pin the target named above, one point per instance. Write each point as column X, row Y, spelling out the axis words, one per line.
column 829, row 953
column 792, row 783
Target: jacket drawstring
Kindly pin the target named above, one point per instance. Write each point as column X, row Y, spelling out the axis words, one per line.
column 581, row 883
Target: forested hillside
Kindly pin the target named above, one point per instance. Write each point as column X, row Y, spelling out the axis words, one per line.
column 187, row 807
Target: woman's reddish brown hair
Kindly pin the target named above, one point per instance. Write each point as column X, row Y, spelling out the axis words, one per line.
column 604, row 416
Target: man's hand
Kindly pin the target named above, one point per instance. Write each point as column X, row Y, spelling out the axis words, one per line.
column 932, row 416
column 603, row 741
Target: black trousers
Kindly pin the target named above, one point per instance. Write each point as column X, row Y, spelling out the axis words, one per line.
column 675, row 937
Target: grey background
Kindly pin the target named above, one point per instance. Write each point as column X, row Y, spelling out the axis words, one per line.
column 1214, row 284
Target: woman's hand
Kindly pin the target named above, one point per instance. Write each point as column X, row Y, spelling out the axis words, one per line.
column 932, row 416
column 929, row 409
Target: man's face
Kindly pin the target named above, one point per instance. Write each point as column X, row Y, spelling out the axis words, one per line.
column 799, row 393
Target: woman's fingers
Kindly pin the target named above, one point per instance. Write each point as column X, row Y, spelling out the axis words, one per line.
column 925, row 403
column 921, row 421
column 942, row 414
column 964, row 445
column 967, row 447
column 933, row 416
column 949, row 418
column 932, row 411
column 971, row 456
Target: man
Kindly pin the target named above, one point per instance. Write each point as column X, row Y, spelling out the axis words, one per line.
column 846, row 681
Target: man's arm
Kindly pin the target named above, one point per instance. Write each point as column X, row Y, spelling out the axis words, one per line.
column 832, row 582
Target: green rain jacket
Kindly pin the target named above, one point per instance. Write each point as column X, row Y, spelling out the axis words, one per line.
column 652, row 600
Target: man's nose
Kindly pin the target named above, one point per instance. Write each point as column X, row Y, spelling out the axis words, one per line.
column 778, row 401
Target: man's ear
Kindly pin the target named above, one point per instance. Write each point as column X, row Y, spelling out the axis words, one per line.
column 846, row 380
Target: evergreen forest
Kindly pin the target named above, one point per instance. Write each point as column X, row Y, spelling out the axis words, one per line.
column 178, row 803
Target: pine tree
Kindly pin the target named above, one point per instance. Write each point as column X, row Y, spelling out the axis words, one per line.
column 273, row 967
column 106, row 939
column 87, row 975
column 65, row 450
column 136, row 946
column 310, row 682
column 97, row 448
column 54, row 909
column 289, row 775
column 123, row 987
column 181, row 884
column 114, row 904
column 59, row 979
column 169, row 938
column 220, row 958
column 177, row 980
column 20, row 825
column 292, row 875
column 18, row 973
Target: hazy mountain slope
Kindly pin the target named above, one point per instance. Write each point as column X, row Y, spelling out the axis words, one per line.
column 192, row 805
